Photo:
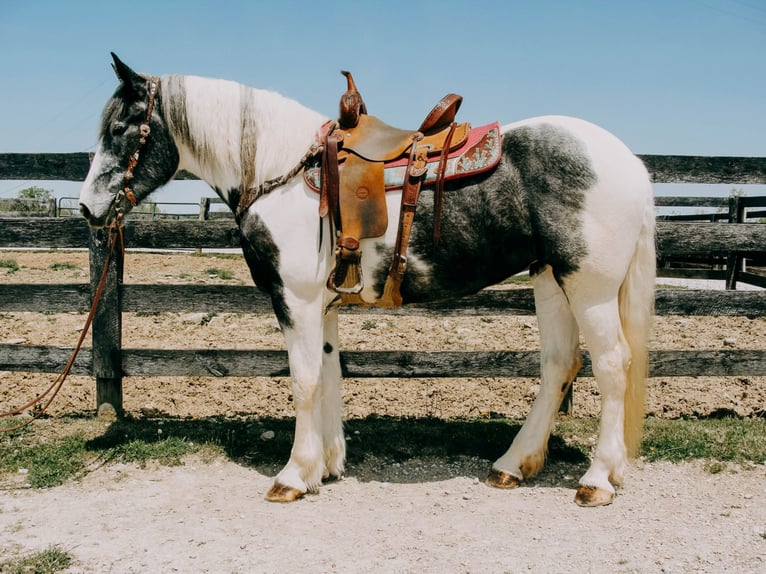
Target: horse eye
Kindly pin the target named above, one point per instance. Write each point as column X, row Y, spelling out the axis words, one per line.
column 118, row 128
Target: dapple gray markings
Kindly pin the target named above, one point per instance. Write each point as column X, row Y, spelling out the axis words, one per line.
column 485, row 237
column 124, row 113
column 555, row 173
column 530, row 204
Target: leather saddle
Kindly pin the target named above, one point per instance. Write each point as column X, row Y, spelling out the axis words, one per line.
column 357, row 150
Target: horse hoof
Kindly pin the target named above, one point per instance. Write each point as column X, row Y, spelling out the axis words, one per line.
column 330, row 478
column 281, row 493
column 593, row 496
column 502, row 479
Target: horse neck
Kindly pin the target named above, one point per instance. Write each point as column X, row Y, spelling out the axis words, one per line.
column 232, row 136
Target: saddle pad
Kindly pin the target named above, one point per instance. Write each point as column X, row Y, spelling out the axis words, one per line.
column 480, row 153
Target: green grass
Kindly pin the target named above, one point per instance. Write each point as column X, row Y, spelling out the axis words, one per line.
column 9, row 264
column 63, row 266
column 79, row 445
column 47, row 463
column 219, row 255
column 220, row 273
column 521, row 279
column 52, row 559
column 726, row 440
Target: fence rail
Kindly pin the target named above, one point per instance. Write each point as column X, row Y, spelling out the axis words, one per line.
column 109, row 362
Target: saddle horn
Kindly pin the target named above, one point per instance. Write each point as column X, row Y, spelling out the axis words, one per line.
column 351, row 104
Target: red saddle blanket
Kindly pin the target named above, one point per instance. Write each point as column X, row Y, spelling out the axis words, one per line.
column 479, row 153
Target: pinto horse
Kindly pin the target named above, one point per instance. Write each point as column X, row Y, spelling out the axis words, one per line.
column 568, row 201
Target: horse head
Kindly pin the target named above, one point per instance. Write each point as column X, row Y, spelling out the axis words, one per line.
column 136, row 153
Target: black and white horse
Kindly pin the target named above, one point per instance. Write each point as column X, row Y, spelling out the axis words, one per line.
column 568, row 201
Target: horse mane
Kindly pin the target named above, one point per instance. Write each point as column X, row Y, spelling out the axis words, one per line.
column 238, row 135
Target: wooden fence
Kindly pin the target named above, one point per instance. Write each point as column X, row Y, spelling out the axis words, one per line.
column 109, row 362
column 731, row 267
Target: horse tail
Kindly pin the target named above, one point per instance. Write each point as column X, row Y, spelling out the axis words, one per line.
column 636, row 299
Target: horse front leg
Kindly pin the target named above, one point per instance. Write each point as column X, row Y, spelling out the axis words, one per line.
column 332, row 402
column 306, row 467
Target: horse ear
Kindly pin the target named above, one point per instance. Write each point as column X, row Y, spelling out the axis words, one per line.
column 125, row 74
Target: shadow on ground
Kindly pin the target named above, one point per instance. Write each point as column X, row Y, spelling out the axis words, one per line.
column 378, row 447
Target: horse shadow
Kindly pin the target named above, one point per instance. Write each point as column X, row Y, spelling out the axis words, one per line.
column 379, row 448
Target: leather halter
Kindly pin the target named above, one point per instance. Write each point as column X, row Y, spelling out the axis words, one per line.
column 126, row 196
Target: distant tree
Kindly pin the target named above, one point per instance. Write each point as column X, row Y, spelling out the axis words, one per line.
column 36, row 193
column 737, row 192
column 30, row 199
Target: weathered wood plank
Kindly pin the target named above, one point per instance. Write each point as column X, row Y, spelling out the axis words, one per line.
column 40, row 298
column 44, row 232
column 685, row 273
column 686, row 238
column 663, row 168
column 698, row 201
column 182, row 234
column 672, row 238
column 371, row 364
column 53, row 166
column 704, row 169
column 247, row 299
column 44, row 359
column 708, row 303
column 73, row 232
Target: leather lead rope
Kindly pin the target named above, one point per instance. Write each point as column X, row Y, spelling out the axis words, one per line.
column 115, row 236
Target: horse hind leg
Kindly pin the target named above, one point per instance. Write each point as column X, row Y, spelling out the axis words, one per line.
column 611, row 357
column 560, row 362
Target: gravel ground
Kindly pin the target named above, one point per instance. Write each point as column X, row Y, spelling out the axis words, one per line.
column 424, row 515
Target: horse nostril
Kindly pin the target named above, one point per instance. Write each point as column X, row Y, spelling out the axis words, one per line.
column 84, row 211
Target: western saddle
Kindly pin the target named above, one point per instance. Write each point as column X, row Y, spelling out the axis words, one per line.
column 356, row 150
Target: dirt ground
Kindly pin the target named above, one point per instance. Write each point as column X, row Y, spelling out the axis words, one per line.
column 423, row 516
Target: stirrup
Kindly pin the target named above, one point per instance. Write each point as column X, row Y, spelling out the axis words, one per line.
column 346, row 269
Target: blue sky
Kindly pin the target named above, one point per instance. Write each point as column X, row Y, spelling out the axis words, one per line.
column 666, row 76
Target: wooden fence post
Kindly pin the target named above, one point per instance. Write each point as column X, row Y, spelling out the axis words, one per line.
column 734, row 261
column 106, row 329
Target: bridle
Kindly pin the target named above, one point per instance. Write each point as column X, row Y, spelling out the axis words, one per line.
column 124, row 199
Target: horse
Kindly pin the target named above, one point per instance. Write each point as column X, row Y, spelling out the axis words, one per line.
column 568, row 201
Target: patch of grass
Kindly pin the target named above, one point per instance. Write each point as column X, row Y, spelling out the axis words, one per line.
column 218, row 255
column 64, row 266
column 521, row 279
column 9, row 264
column 207, row 318
column 52, row 559
column 61, row 449
column 220, row 273
column 168, row 452
column 47, row 463
column 726, row 439
column 50, row 461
